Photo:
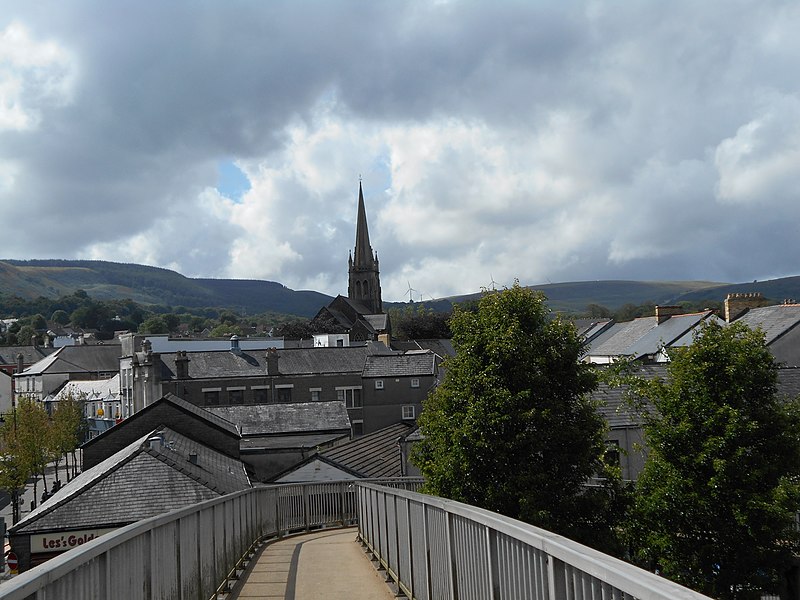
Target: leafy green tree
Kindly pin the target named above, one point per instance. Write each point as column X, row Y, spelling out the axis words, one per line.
column 69, row 426
column 60, row 316
column 512, row 428
column 225, row 330
column 420, row 323
column 171, row 320
column 153, row 324
column 25, row 335
column 716, row 502
column 34, row 441
column 14, row 471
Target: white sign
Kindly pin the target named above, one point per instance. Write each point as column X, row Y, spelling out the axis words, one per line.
column 61, row 541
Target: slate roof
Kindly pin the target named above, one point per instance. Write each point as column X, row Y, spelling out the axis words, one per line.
column 141, row 480
column 291, row 361
column 373, row 455
column 181, row 404
column 30, row 354
column 378, row 322
column 411, row 364
column 79, row 359
column 281, row 418
column 774, row 321
column 441, row 347
column 645, row 335
column 99, row 389
column 665, row 333
column 620, row 336
column 613, row 404
column 618, row 413
column 297, row 441
column 589, row 329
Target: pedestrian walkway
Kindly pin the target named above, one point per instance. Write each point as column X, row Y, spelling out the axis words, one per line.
column 328, row 564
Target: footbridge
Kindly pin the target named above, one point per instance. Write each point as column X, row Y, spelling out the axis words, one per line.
column 427, row 548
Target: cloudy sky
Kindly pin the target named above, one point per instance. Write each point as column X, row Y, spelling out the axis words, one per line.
column 544, row 141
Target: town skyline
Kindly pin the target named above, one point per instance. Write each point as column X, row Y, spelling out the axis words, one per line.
column 547, row 143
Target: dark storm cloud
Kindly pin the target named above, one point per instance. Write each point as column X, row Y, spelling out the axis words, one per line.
column 546, row 141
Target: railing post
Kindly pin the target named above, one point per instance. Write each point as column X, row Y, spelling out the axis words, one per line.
column 426, row 540
column 492, row 560
column 306, row 507
column 410, row 542
column 451, row 560
column 556, row 578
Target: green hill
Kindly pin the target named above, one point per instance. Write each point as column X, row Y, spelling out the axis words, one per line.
column 151, row 285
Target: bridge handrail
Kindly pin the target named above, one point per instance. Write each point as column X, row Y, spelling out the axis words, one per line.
column 187, row 553
column 437, row 548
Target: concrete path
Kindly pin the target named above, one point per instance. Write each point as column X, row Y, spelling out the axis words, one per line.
column 326, row 564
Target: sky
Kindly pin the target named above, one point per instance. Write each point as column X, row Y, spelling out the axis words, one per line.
column 540, row 141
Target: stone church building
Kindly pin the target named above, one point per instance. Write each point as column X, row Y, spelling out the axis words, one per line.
column 360, row 313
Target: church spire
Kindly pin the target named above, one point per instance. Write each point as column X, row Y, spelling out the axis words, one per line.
column 363, row 252
column 364, row 284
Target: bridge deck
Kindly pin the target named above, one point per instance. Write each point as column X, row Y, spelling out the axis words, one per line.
column 326, row 564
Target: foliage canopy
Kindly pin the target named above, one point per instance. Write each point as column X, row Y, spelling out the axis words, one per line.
column 715, row 504
column 511, row 428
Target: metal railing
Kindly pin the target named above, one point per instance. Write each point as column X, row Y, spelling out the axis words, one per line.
column 440, row 549
column 188, row 553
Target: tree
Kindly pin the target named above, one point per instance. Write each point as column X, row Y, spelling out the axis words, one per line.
column 14, row 472
column 69, row 426
column 33, row 439
column 716, row 501
column 419, row 323
column 60, row 316
column 154, row 324
column 511, row 428
column 226, row 330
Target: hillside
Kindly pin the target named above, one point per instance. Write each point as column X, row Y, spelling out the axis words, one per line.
column 152, row 285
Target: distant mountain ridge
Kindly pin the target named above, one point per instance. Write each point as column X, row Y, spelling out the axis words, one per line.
column 154, row 285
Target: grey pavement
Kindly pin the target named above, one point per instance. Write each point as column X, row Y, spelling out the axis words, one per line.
column 326, row 564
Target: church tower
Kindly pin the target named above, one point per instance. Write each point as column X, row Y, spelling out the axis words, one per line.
column 364, row 284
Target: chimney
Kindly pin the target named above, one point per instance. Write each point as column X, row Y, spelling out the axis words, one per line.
column 20, row 363
column 272, row 361
column 235, row 344
column 737, row 304
column 665, row 312
column 35, row 341
column 181, row 365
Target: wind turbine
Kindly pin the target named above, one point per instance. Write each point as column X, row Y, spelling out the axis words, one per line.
column 410, row 292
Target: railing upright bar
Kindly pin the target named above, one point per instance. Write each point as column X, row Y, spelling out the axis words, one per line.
column 410, row 548
column 491, row 559
column 451, row 563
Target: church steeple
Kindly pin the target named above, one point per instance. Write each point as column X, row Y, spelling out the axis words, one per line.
column 364, row 284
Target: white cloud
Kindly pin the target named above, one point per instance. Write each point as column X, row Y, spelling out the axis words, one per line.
column 548, row 142
column 33, row 75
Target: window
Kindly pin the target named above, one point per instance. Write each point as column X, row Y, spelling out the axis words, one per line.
column 236, row 396
column 415, row 383
column 350, row 396
column 284, row 394
column 379, row 384
column 211, row 398
column 408, row 412
column 315, row 394
column 612, row 452
column 260, row 395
